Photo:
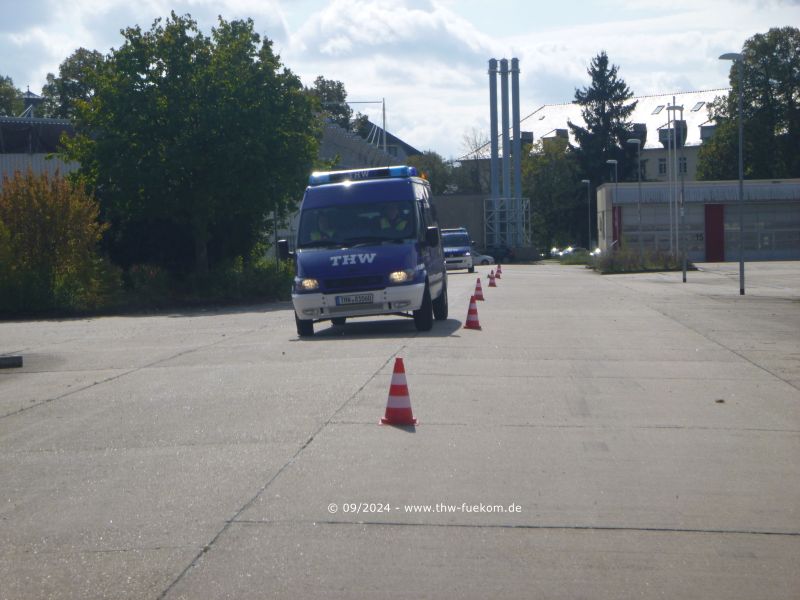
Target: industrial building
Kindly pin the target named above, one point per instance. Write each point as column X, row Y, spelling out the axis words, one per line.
column 709, row 227
column 650, row 123
column 28, row 142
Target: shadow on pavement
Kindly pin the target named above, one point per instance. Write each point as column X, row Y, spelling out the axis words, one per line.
column 377, row 329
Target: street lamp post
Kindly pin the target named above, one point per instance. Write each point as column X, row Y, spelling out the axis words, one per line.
column 638, row 143
column 737, row 58
column 680, row 233
column 613, row 161
column 589, row 211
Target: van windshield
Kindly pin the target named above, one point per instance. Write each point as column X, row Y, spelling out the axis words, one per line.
column 350, row 225
column 455, row 239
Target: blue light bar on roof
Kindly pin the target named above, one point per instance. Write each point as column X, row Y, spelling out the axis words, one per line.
column 323, row 177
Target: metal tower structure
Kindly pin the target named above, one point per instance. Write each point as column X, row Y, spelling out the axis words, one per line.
column 507, row 215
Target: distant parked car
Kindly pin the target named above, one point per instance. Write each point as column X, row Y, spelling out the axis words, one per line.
column 481, row 259
column 501, row 253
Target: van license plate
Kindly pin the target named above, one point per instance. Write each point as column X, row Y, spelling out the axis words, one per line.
column 356, row 299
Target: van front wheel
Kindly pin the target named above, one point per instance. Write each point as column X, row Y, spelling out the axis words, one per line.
column 440, row 304
column 305, row 327
column 423, row 318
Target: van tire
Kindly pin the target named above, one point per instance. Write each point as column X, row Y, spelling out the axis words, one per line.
column 339, row 320
column 471, row 269
column 423, row 318
column 440, row 304
column 305, row 327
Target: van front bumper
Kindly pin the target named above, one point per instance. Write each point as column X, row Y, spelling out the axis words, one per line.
column 458, row 262
column 401, row 298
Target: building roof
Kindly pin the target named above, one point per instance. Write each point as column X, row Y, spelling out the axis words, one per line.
column 376, row 133
column 31, row 135
column 545, row 120
column 351, row 150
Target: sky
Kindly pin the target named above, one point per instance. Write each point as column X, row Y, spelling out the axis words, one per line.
column 428, row 59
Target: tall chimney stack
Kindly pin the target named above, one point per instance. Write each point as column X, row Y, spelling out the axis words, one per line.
column 494, row 171
column 505, row 124
column 517, row 151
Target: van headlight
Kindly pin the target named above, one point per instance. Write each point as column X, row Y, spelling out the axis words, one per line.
column 401, row 276
column 307, row 284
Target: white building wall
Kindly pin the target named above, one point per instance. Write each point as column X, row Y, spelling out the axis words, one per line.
column 771, row 216
column 39, row 163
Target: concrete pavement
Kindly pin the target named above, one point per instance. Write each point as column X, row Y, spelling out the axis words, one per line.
column 648, row 431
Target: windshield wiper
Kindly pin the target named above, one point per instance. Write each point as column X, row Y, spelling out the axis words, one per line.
column 365, row 240
column 321, row 244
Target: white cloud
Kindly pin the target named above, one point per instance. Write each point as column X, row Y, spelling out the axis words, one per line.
column 428, row 58
column 62, row 27
column 355, row 28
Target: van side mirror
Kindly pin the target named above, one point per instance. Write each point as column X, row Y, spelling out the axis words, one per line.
column 283, row 250
column 432, row 236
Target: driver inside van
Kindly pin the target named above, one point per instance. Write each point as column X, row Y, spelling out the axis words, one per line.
column 392, row 219
column 324, row 230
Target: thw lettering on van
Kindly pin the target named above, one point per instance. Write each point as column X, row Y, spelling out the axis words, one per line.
column 352, row 259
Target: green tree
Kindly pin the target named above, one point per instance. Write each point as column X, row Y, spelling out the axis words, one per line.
column 432, row 166
column 192, row 142
column 470, row 174
column 332, row 98
column 606, row 110
column 361, row 125
column 62, row 93
column 49, row 232
column 10, row 98
column 771, row 111
column 550, row 178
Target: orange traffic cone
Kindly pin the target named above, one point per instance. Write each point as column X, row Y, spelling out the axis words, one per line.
column 499, row 271
column 398, row 406
column 478, row 290
column 491, row 279
column 472, row 315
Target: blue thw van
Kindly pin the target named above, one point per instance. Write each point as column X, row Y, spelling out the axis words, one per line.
column 457, row 245
column 367, row 244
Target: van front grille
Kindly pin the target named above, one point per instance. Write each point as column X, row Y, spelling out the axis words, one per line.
column 352, row 283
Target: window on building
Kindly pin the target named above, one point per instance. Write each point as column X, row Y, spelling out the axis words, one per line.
column 697, row 106
column 658, row 109
column 682, row 164
column 662, row 166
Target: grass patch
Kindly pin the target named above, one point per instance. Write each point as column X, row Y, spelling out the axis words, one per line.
column 148, row 286
column 576, row 258
column 627, row 260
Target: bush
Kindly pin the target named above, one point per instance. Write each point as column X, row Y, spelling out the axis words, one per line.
column 576, row 258
column 149, row 286
column 626, row 260
column 49, row 231
column 257, row 280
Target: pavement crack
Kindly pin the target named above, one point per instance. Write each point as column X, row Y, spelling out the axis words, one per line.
column 127, row 372
column 537, row 527
column 728, row 348
column 235, row 519
column 675, row 319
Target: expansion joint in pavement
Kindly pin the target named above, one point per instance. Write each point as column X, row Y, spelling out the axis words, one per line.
column 277, row 474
